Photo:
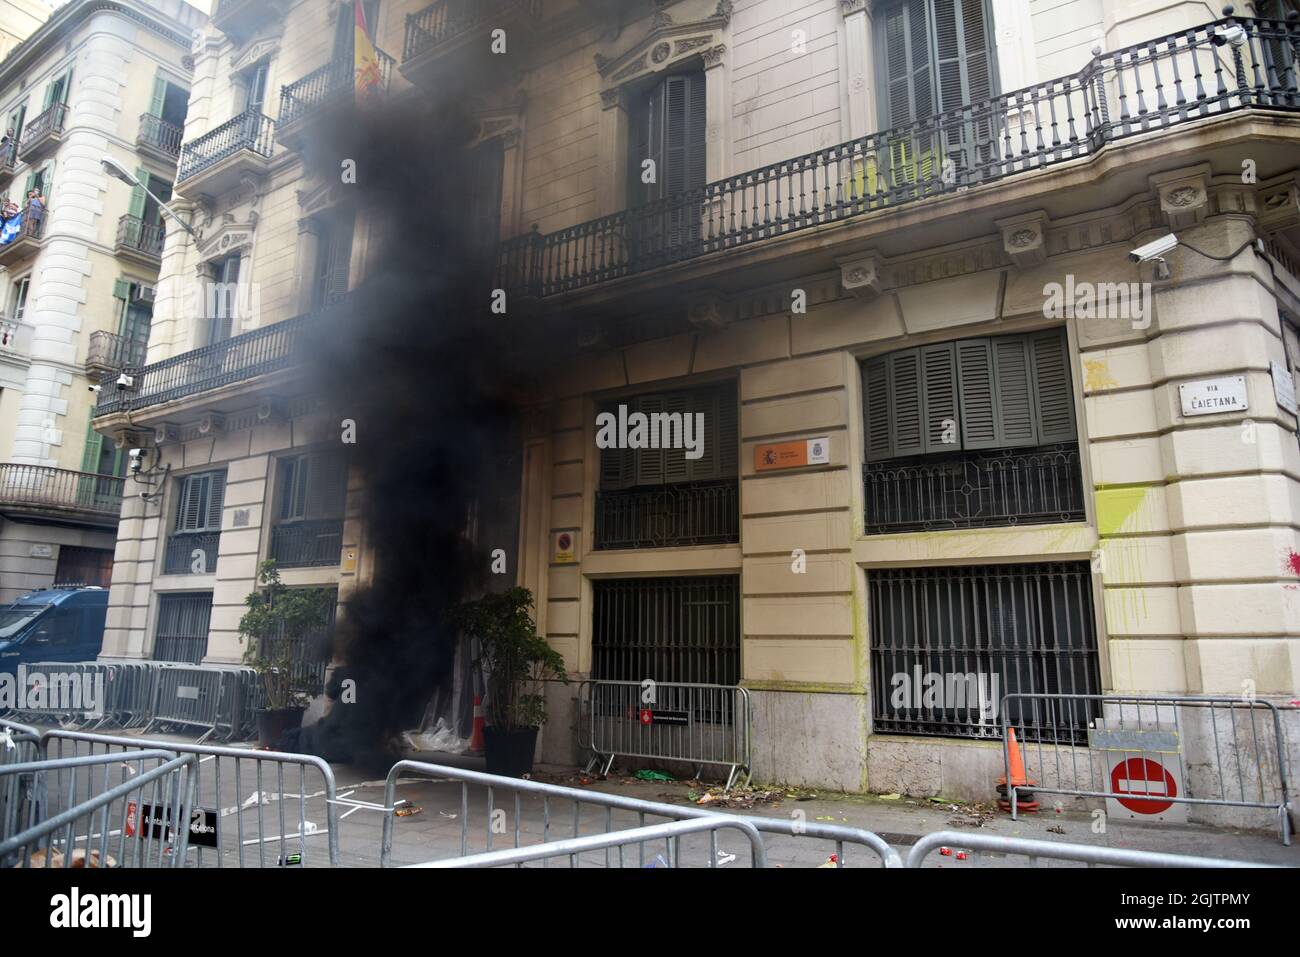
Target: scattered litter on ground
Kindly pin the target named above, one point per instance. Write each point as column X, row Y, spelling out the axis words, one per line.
column 889, row 797
column 832, row 861
column 659, row 861
column 447, row 814
column 409, row 810
column 724, row 857
column 644, row 775
column 439, row 738
column 972, row 815
column 1056, row 829
column 737, row 797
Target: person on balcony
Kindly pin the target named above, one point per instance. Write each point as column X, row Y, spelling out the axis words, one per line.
column 36, row 209
column 11, row 223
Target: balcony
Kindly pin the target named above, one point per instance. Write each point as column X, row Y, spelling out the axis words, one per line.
column 1032, row 486
column 139, row 240
column 39, row 491
column 216, row 162
column 695, row 513
column 240, row 19
column 110, row 353
column 179, row 556
column 263, row 351
column 15, row 337
column 159, row 138
column 26, row 242
column 1126, row 93
column 43, row 134
column 8, row 161
column 307, row 544
column 319, row 92
column 438, row 35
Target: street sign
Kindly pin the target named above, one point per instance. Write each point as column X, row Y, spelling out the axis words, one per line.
column 1211, row 396
column 154, row 818
column 1143, row 787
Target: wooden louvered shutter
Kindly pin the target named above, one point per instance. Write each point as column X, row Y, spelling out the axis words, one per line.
column 1054, row 392
column 875, row 400
column 677, row 467
column 327, row 487
column 617, row 465
column 336, row 262
column 159, row 96
column 191, row 509
column 647, row 144
column 964, row 53
column 939, row 395
column 684, row 129
column 649, row 462
column 138, row 194
column 975, row 381
column 1014, row 392
column 908, row 80
column 905, row 390
column 728, row 432
column 216, row 498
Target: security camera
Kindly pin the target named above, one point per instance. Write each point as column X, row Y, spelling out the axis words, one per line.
column 1154, row 249
column 1233, row 35
column 96, row 388
column 125, row 381
column 136, row 457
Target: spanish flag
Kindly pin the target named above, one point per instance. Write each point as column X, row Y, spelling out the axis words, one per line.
column 368, row 77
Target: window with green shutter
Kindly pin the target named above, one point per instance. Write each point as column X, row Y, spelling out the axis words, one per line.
column 199, row 501
column 622, row 468
column 999, row 392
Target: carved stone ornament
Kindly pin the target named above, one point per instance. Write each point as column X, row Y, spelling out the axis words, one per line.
column 861, row 275
column 1024, row 238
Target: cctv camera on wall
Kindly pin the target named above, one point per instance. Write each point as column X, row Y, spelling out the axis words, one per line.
column 1154, row 249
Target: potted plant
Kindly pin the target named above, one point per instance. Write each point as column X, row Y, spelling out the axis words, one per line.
column 516, row 661
column 276, row 625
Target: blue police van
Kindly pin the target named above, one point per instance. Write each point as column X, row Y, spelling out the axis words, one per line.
column 53, row 624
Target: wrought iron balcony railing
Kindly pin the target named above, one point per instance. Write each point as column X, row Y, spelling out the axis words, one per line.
column 50, row 123
column 250, row 131
column 268, row 349
column 447, row 20
column 975, row 489
column 310, row 543
column 157, row 133
column 8, row 158
column 332, row 83
column 110, row 351
column 1154, row 85
column 694, row 513
column 135, row 234
column 180, row 556
column 41, row 486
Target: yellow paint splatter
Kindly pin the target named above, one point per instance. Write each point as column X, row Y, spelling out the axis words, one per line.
column 1096, row 376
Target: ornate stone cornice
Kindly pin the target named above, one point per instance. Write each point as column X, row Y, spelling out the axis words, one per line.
column 666, row 43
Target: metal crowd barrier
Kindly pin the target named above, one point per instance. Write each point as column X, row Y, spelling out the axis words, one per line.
column 671, row 721
column 147, row 694
column 253, row 801
column 670, row 833
column 499, row 825
column 1036, row 850
column 1150, row 753
column 146, row 811
column 18, row 744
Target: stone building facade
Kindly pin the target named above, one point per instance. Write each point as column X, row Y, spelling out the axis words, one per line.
column 77, row 280
column 884, row 250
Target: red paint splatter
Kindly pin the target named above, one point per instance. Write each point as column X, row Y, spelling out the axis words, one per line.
column 1293, row 562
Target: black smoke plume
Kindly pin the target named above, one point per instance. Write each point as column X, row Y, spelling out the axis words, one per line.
column 433, row 380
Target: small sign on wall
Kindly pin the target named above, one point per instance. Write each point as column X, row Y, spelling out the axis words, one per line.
column 564, row 548
column 41, row 551
column 1283, row 388
column 792, row 455
column 1212, row 396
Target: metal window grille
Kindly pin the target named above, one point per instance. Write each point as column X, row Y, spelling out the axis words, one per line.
column 182, row 633
column 974, row 490
column 667, row 629
column 948, row 643
column 310, row 655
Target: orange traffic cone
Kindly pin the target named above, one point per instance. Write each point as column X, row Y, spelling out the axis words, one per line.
column 476, row 737
column 1025, row 801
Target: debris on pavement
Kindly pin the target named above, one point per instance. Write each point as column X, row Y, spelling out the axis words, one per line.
column 408, row 810
column 737, row 797
column 644, row 775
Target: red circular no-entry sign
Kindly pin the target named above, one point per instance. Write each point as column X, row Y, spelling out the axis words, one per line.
column 1146, row 777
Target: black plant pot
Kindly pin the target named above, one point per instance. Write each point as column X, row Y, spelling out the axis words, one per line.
column 510, row 753
column 274, row 724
